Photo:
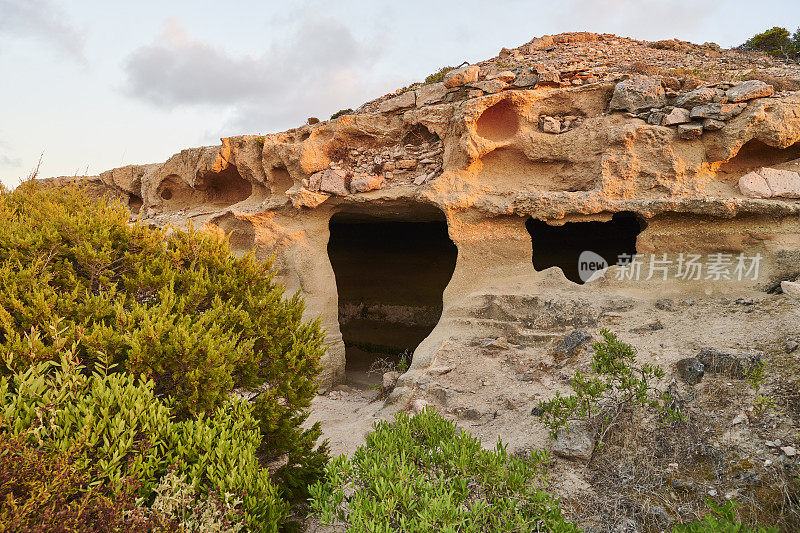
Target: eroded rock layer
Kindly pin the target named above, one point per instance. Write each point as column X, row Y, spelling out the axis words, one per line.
column 566, row 129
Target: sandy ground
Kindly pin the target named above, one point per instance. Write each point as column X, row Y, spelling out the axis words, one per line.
column 490, row 390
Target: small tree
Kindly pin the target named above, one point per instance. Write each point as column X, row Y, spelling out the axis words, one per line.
column 775, row 42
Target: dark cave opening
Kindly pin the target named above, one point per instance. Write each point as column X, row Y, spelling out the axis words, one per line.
column 561, row 246
column 390, row 276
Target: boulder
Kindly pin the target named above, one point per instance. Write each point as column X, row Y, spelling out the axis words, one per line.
column 678, row 115
column 550, row 77
column 717, row 111
column 461, row 76
column 572, row 341
column 749, row 90
column 551, row 125
column 577, row 442
column 638, row 94
column 691, row 370
column 302, row 197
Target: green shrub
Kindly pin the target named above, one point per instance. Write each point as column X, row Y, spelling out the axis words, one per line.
column 117, row 429
column 421, row 474
column 722, row 519
column 616, row 385
column 438, row 76
column 43, row 490
column 176, row 307
column 341, row 112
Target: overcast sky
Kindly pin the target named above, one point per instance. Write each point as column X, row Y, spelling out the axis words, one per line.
column 97, row 84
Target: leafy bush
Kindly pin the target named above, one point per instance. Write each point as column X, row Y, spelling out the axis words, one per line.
column 176, row 307
column 438, row 76
column 775, row 42
column 617, row 385
column 341, row 112
column 176, row 498
column 421, row 473
column 722, row 519
column 115, row 427
column 44, row 490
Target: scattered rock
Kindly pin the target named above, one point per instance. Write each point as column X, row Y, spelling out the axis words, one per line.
column 691, row 370
column 430, row 94
column 334, row 181
column 699, row 96
column 749, row 90
column 406, row 164
column 489, row 86
column 665, row 304
column 303, row 197
column 754, row 185
column 638, row 94
column 572, row 341
column 312, row 120
column 390, row 380
column 551, row 125
column 717, row 111
column 783, row 183
column 652, row 326
column 678, row 115
column 506, row 76
column 526, row 80
column 739, row 419
column 461, row 76
column 790, row 451
column 405, row 100
column 690, row 131
column 419, row 405
column 791, row 346
column 366, row 183
column 550, row 77
column 736, row 366
column 469, row 414
column 711, row 124
column 791, row 288
column 575, row 443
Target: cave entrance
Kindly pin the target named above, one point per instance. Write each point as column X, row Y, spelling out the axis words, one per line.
column 390, row 276
column 561, row 246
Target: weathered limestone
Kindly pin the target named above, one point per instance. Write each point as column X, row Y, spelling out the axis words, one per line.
column 564, row 144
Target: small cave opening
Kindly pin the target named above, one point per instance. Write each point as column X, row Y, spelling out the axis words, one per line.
column 390, row 276
column 498, row 122
column 561, row 246
column 226, row 187
column 419, row 134
column 755, row 154
column 135, row 203
column 281, row 181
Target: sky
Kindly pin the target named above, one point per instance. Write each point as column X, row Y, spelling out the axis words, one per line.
column 89, row 85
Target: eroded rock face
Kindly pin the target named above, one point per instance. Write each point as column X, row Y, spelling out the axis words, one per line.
column 577, row 137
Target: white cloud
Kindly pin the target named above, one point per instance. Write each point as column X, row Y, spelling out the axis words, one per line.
column 43, row 20
column 320, row 67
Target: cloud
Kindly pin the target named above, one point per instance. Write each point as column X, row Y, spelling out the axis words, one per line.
column 637, row 18
column 319, row 67
column 6, row 161
column 43, row 20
